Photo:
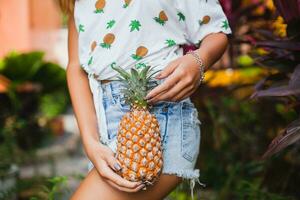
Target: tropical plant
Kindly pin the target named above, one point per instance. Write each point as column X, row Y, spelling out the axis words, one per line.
column 282, row 58
column 231, row 145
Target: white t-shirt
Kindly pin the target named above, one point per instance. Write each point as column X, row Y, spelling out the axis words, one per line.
column 136, row 33
column 141, row 32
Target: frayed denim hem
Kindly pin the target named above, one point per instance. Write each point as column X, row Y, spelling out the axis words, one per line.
column 192, row 176
column 186, row 174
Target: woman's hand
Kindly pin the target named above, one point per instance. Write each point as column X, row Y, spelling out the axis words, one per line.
column 183, row 78
column 183, row 74
column 106, row 164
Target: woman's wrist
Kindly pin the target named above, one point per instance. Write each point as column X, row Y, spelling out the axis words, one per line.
column 199, row 62
column 89, row 144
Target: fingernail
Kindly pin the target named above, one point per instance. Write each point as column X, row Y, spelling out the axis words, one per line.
column 158, row 76
column 148, row 97
column 117, row 167
column 139, row 183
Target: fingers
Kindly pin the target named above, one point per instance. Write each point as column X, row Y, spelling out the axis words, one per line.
column 169, row 94
column 164, row 86
column 167, row 70
column 185, row 85
column 136, row 189
column 113, row 163
column 183, row 94
column 108, row 173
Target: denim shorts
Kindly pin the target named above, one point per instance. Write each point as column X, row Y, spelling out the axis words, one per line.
column 179, row 127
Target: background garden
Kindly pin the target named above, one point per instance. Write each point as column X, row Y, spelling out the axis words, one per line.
column 248, row 107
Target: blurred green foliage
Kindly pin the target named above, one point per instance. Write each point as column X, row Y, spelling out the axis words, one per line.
column 36, row 93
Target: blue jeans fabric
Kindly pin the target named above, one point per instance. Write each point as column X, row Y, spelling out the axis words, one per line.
column 179, row 126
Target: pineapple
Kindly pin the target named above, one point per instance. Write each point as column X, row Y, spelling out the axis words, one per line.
column 138, row 141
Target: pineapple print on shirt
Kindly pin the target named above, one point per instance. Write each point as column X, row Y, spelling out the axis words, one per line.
column 126, row 3
column 162, row 18
column 170, row 42
column 181, row 16
column 123, row 29
column 205, row 20
column 100, row 4
column 108, row 40
column 140, row 65
column 93, row 46
column 81, row 28
column 110, row 24
column 90, row 60
column 140, row 52
column 225, row 24
column 135, row 25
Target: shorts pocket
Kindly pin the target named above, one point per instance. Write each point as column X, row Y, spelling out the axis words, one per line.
column 190, row 131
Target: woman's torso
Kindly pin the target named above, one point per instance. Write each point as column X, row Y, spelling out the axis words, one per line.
column 128, row 33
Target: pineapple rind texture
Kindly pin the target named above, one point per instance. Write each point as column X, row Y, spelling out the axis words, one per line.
column 139, row 147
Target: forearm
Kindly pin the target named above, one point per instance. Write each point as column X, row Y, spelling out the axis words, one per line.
column 212, row 48
column 82, row 102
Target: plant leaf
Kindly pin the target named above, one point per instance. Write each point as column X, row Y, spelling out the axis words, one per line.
column 134, row 75
column 293, row 88
column 145, row 71
column 289, row 136
column 289, row 10
column 277, row 92
column 295, row 78
column 151, row 75
column 121, row 71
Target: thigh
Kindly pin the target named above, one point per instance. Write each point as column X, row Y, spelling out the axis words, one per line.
column 93, row 187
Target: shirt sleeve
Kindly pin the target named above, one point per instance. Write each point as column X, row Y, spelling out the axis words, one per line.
column 202, row 17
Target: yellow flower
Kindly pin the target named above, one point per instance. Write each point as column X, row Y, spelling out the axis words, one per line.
column 227, row 77
column 260, row 10
column 270, row 5
column 279, row 27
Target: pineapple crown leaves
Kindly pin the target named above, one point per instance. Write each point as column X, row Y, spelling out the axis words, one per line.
column 136, row 84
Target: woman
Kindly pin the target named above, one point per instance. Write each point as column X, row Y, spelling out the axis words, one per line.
column 135, row 34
